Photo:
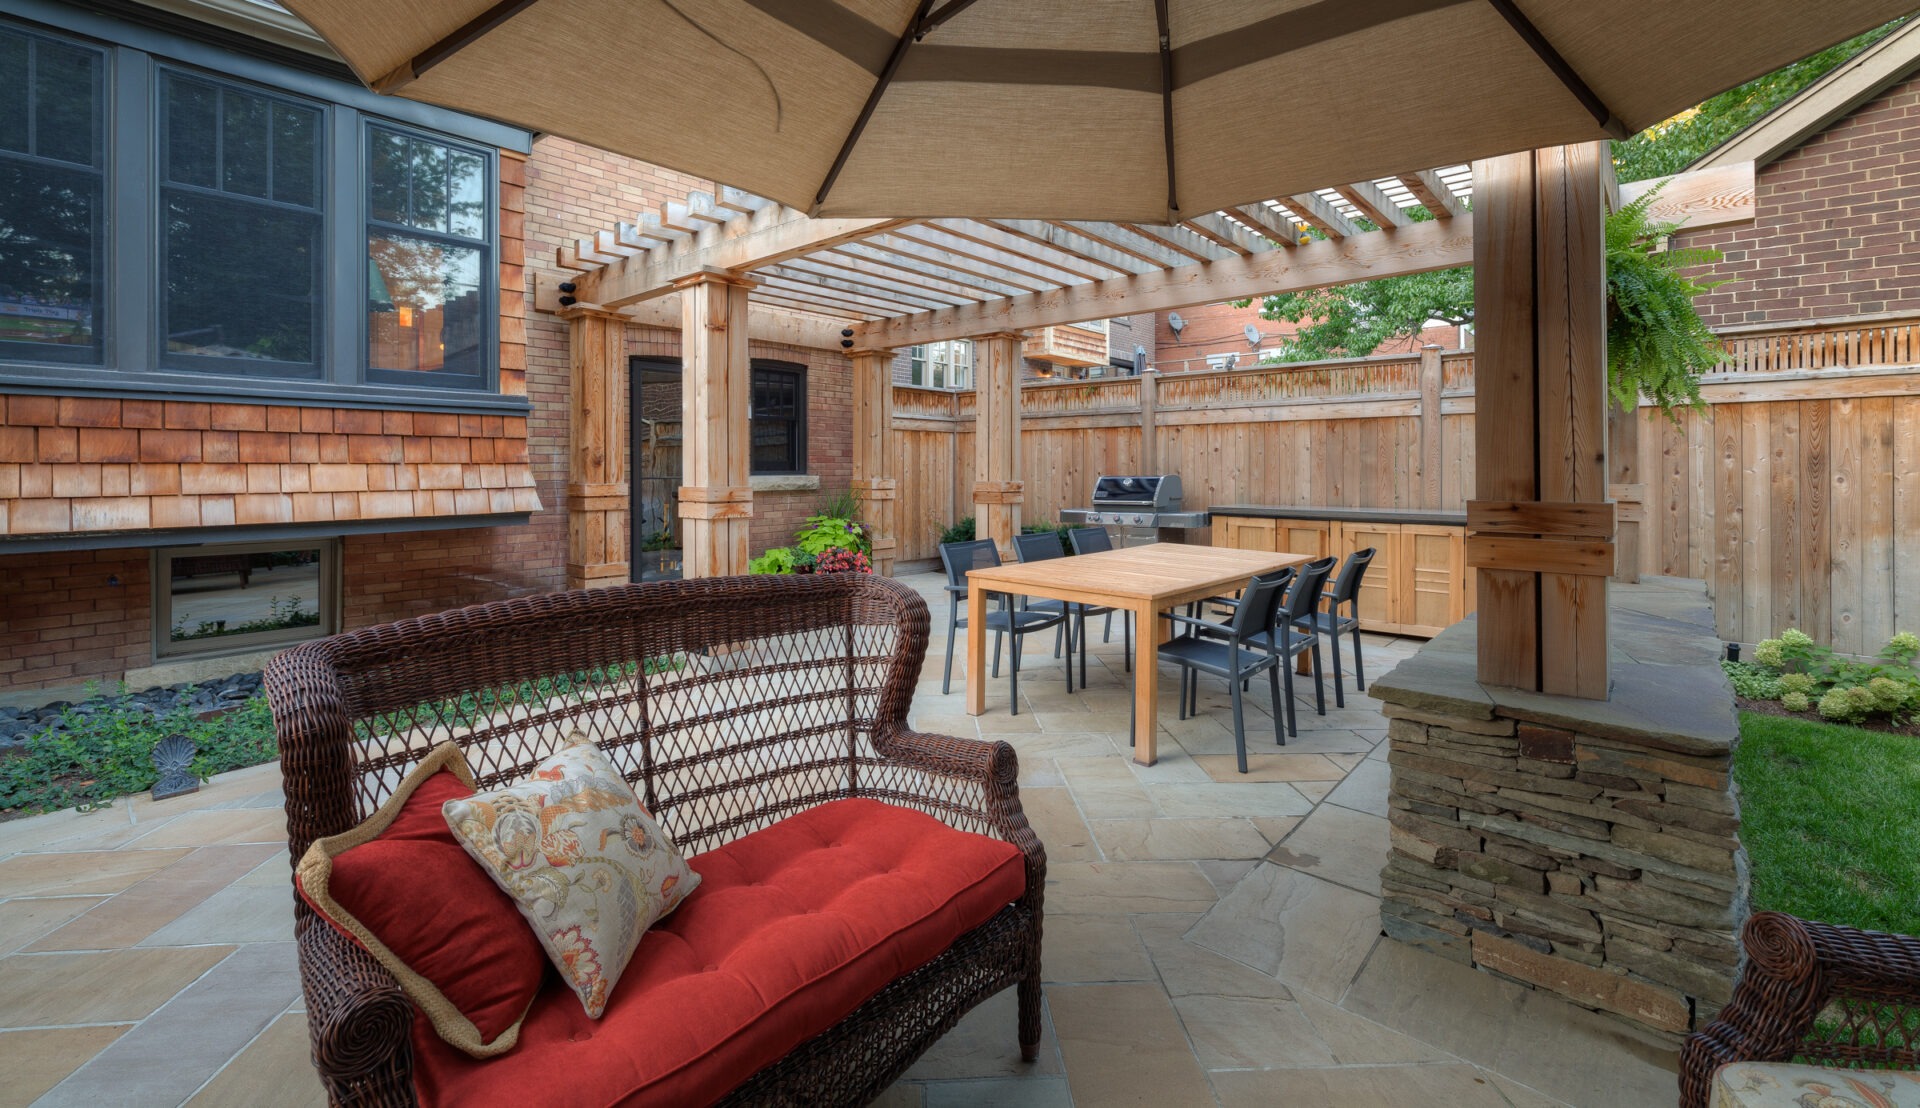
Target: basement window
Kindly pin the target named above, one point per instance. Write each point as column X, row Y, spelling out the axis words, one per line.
column 244, row 596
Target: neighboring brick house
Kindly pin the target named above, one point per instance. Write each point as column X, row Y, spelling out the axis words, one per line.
column 950, row 364
column 1836, row 198
column 1210, row 335
column 196, row 469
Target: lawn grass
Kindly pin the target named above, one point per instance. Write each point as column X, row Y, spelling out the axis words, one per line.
column 1830, row 817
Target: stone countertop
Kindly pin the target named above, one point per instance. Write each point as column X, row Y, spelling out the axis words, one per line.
column 1668, row 692
column 1437, row 516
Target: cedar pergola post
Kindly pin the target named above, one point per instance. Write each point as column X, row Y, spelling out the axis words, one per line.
column 716, row 493
column 997, row 487
column 874, row 484
column 1541, row 532
column 597, row 492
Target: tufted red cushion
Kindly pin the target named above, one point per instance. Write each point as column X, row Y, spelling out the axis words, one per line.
column 791, row 929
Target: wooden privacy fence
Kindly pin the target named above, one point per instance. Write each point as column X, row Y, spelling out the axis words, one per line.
column 1795, row 494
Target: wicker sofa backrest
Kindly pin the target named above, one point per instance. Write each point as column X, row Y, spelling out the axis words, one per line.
column 728, row 703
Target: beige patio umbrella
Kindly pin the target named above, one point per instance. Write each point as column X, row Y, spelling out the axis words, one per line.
column 1139, row 110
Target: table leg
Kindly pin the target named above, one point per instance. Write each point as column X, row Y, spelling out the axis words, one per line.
column 976, row 650
column 1146, row 683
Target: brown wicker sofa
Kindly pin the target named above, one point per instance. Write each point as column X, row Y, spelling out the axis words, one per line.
column 729, row 703
column 1814, row 991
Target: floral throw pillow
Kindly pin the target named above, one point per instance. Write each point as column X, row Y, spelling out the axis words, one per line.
column 586, row 865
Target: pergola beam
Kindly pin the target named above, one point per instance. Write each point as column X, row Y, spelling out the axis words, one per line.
column 787, row 273
column 967, row 286
column 1180, row 240
column 1119, row 238
column 1433, row 193
column 1269, row 222
column 1007, row 243
column 1071, row 243
column 1419, row 248
column 770, row 235
column 1375, row 205
column 913, row 248
column 941, row 239
column 1320, row 215
column 1217, row 230
column 826, row 265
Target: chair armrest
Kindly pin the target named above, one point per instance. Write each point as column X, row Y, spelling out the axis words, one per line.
column 358, row 1019
column 1203, row 624
column 1795, row 968
column 991, row 768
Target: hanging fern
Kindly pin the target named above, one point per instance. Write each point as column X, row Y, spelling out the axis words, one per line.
column 1657, row 345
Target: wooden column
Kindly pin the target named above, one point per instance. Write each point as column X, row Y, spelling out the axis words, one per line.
column 1432, row 431
column 597, row 491
column 997, row 488
column 1541, row 534
column 716, row 493
column 874, row 483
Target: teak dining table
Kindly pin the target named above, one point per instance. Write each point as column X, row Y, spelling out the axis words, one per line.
column 1146, row 580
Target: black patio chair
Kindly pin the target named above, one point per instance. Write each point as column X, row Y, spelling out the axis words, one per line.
column 1289, row 639
column 1040, row 547
column 1234, row 651
column 1329, row 622
column 1092, row 540
column 958, row 558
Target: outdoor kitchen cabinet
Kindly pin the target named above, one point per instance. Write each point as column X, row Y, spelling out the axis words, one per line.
column 1418, row 583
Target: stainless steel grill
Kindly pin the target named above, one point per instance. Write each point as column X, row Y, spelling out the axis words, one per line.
column 1137, row 501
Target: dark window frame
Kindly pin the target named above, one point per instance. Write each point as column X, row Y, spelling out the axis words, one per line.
column 330, row 599
column 131, row 360
column 796, row 374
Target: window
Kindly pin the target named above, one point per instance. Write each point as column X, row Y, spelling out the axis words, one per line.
column 51, row 198
column 244, row 596
column 174, row 215
column 779, row 418
column 240, row 230
column 944, row 365
column 427, row 305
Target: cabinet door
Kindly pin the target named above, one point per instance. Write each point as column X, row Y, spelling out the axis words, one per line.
column 1242, row 533
column 1382, row 589
column 1304, row 536
column 1435, row 574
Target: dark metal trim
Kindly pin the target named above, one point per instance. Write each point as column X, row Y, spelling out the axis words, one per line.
column 1590, row 100
column 907, row 38
column 118, row 384
column 1166, row 105
column 214, row 536
column 470, row 32
column 947, row 11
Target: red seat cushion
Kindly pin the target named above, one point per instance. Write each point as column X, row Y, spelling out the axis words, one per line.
column 792, row 928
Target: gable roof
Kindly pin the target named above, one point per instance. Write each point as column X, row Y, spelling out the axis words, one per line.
column 1821, row 104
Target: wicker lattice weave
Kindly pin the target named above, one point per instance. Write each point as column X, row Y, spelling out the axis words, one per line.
column 1814, row 991
column 729, row 703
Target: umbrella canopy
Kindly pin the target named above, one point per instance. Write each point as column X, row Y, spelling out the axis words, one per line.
column 1138, row 110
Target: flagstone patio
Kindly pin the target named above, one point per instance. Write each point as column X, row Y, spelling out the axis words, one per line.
column 1211, row 938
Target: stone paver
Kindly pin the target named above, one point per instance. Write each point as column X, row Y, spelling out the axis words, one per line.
column 1212, row 939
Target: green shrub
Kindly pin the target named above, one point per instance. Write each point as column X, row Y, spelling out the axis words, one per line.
column 1846, row 705
column 1796, row 702
column 1802, row 683
column 824, row 533
column 108, row 752
column 1058, row 530
column 1753, row 682
column 959, row 532
column 782, row 559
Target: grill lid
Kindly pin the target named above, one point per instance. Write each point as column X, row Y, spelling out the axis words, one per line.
column 1159, row 492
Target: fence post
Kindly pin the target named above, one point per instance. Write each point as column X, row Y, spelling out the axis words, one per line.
column 1625, row 489
column 1432, row 460
column 1149, row 434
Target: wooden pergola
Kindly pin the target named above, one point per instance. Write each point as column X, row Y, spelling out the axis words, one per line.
column 727, row 266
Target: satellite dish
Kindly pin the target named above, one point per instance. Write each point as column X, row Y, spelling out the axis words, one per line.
column 1253, row 334
column 1175, row 323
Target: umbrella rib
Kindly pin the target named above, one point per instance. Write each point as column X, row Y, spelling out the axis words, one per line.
column 907, row 38
column 1590, row 100
column 1166, row 104
column 466, row 35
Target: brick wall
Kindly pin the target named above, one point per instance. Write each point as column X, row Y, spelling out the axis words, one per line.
column 1834, row 224
column 73, row 616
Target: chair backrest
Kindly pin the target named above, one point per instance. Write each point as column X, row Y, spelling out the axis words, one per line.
column 685, row 685
column 1304, row 600
column 1037, row 547
column 1347, row 585
column 1260, row 604
column 1090, row 540
column 959, row 557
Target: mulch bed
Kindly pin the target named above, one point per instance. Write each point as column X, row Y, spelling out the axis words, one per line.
column 1773, row 708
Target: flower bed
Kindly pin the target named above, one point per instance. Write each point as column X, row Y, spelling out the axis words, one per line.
column 1795, row 676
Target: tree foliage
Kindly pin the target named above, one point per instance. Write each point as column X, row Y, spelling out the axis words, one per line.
column 1673, row 144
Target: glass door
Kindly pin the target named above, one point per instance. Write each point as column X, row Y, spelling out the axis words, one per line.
column 654, row 425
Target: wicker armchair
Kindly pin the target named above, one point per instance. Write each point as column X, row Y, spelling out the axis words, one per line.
column 1815, row 991
column 729, row 703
